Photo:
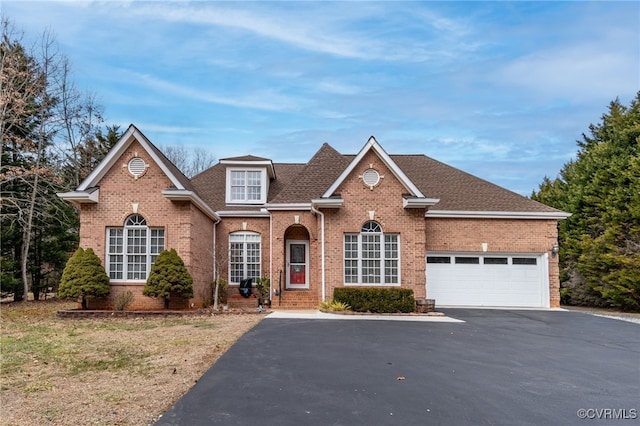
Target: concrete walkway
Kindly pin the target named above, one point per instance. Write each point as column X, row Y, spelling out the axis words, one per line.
column 351, row 316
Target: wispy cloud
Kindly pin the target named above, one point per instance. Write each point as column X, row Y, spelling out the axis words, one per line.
column 267, row 100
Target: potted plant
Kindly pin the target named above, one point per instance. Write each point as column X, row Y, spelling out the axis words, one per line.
column 263, row 285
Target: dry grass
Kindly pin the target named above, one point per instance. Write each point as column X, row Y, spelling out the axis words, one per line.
column 114, row 371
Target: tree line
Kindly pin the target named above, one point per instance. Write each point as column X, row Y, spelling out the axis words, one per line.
column 52, row 135
column 600, row 242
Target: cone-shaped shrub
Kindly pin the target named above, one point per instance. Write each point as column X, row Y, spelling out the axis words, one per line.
column 84, row 276
column 168, row 278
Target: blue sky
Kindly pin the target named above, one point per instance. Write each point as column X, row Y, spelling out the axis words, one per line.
column 501, row 90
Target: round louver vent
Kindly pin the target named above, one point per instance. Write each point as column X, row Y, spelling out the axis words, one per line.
column 137, row 166
column 371, row 177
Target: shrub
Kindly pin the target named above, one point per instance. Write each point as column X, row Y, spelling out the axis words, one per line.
column 168, row 278
column 84, row 276
column 123, row 300
column 263, row 285
column 334, row 306
column 388, row 300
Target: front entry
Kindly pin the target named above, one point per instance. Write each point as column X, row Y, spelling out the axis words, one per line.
column 297, row 264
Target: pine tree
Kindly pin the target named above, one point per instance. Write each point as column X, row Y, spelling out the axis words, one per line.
column 168, row 278
column 600, row 242
column 84, row 276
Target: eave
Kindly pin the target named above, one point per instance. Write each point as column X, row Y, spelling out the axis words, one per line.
column 328, row 203
column 90, row 196
column 463, row 214
column 288, row 206
column 184, row 195
column 419, row 202
column 243, row 213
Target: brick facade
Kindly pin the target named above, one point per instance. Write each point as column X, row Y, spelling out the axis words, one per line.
column 203, row 243
column 500, row 236
column 384, row 204
column 187, row 229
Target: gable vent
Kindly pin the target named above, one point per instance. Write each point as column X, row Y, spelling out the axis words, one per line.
column 371, row 177
column 137, row 167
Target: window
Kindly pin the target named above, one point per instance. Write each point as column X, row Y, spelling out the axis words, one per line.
column 495, row 261
column 467, row 260
column 244, row 256
column 132, row 249
column 438, row 259
column 371, row 257
column 246, row 186
column 524, row 261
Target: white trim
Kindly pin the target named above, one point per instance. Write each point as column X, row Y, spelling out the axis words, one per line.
column 386, row 159
column 263, row 186
column 268, row 164
column 244, row 213
column 184, row 195
column 132, row 134
column 382, row 259
column 418, row 203
column 125, row 253
column 327, row 203
column 322, row 251
column 496, row 214
column 288, row 206
column 81, row 197
column 245, row 263
column 288, row 284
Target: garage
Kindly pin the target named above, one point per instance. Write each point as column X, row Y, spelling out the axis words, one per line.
column 482, row 279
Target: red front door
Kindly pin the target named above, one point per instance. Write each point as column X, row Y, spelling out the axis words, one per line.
column 297, row 264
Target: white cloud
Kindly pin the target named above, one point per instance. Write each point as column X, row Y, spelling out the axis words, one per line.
column 264, row 99
column 577, row 72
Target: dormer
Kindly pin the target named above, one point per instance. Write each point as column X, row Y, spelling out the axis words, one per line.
column 247, row 179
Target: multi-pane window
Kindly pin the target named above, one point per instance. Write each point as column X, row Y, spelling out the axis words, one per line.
column 244, row 256
column 132, row 249
column 245, row 186
column 371, row 257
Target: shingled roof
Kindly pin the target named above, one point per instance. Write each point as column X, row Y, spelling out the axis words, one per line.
column 300, row 183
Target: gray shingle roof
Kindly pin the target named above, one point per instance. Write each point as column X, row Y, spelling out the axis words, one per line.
column 300, row 183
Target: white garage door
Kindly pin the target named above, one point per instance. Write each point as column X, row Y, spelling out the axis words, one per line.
column 487, row 280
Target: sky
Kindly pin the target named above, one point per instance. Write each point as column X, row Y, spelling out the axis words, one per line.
column 501, row 90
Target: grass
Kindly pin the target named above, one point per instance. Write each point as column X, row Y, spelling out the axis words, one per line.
column 124, row 371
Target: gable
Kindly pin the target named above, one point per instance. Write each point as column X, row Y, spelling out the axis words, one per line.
column 121, row 156
column 178, row 180
column 373, row 145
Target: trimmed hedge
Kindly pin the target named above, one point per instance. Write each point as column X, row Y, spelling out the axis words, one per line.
column 383, row 300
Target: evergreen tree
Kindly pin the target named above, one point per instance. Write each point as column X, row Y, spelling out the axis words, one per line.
column 600, row 242
column 84, row 276
column 168, row 278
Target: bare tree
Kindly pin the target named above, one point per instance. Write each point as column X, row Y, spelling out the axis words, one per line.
column 80, row 118
column 190, row 161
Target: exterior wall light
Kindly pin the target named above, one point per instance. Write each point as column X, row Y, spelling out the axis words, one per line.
column 554, row 250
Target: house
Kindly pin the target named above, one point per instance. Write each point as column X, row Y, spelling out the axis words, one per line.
column 365, row 219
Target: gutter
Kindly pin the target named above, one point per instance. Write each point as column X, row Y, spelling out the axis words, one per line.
column 314, row 210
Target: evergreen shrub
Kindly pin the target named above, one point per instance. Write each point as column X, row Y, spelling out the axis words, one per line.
column 380, row 300
column 84, row 276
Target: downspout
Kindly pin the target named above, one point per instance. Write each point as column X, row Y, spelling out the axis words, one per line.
column 270, row 251
column 215, row 248
column 314, row 210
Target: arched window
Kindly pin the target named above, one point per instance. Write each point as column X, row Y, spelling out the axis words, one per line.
column 244, row 256
column 132, row 249
column 372, row 257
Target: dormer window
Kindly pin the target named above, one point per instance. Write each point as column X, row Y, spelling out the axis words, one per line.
column 246, row 186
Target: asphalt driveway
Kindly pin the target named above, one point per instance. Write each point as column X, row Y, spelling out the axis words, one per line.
column 497, row 368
